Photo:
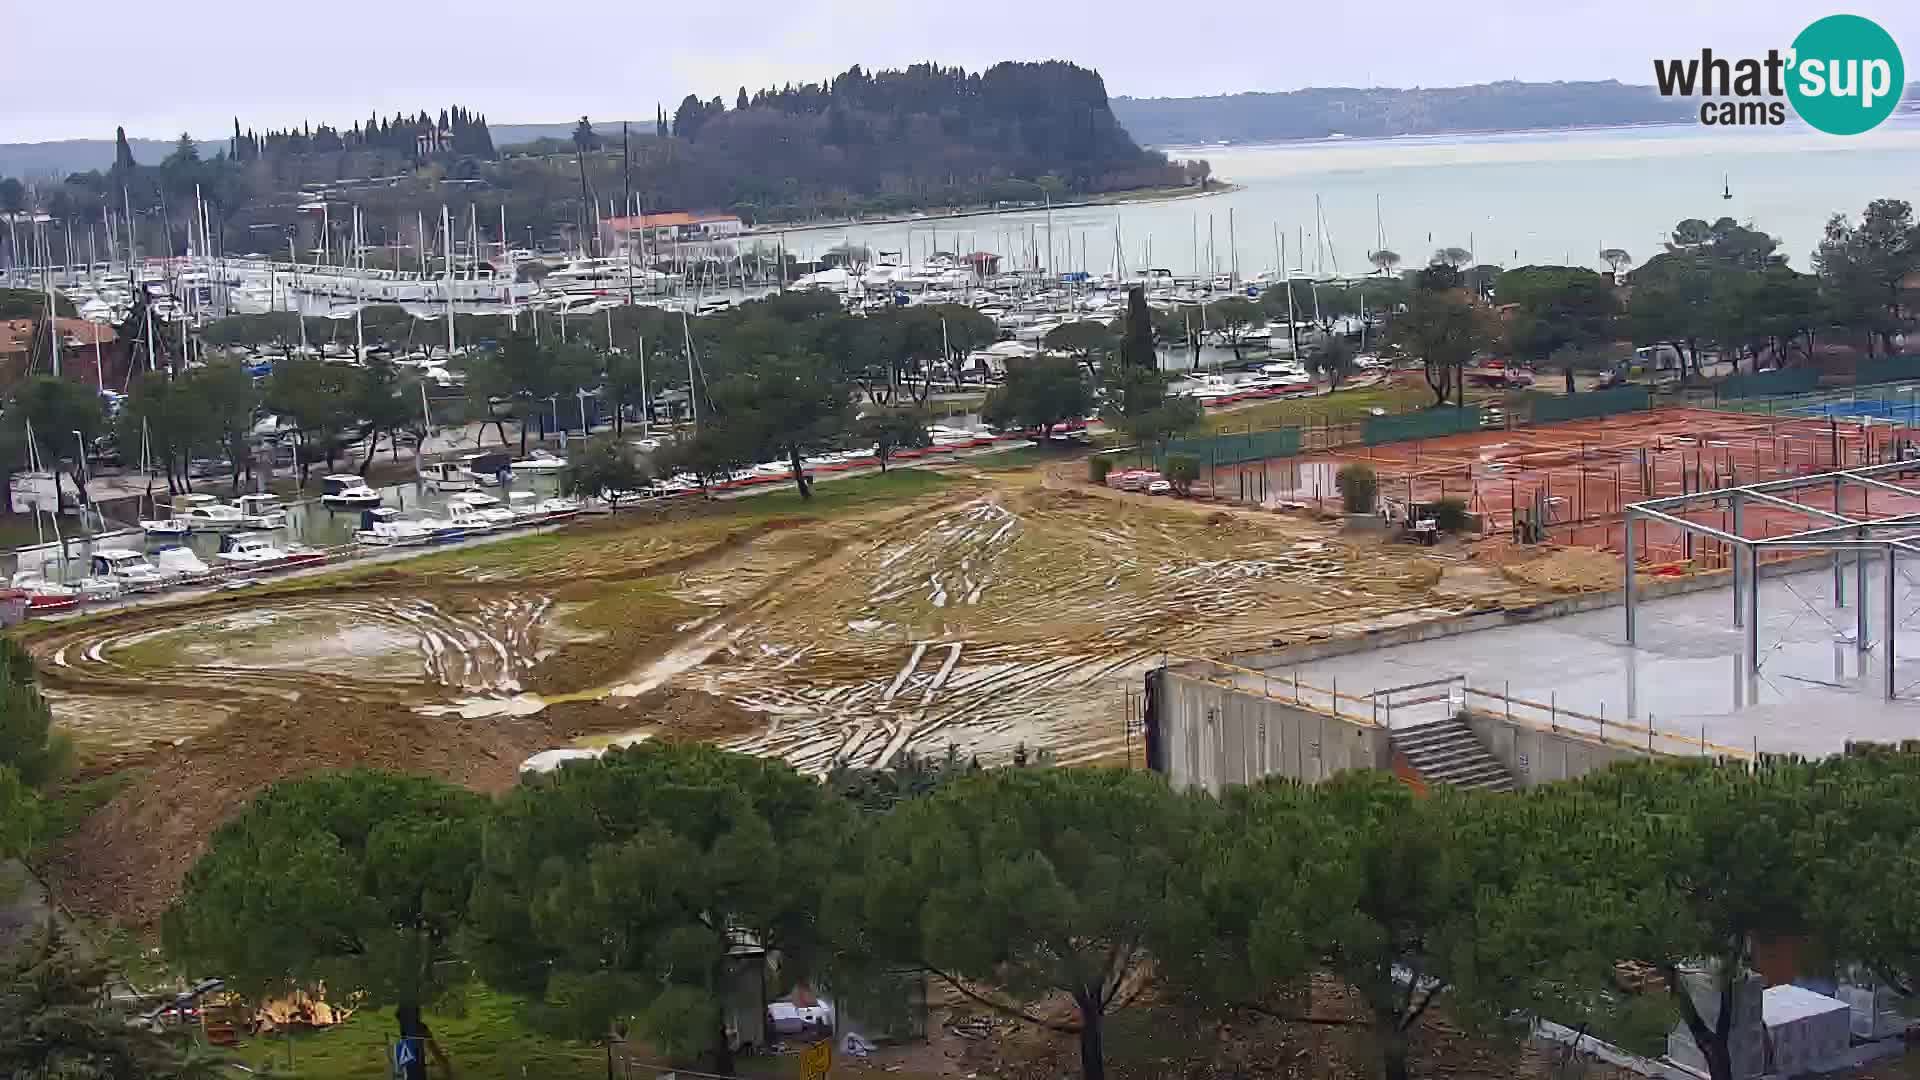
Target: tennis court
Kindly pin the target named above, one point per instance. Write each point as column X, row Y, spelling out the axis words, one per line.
column 1576, row 478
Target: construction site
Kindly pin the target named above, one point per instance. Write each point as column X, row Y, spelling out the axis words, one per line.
column 1010, row 611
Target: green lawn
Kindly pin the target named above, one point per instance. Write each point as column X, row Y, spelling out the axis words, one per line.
column 488, row 1042
column 1341, row 407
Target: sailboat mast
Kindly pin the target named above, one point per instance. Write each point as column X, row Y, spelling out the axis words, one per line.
column 446, row 227
column 693, row 391
column 360, row 291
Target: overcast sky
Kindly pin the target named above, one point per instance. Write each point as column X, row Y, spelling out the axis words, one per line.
column 77, row 73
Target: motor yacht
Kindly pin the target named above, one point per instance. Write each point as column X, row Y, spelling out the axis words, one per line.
column 486, row 508
column 127, row 567
column 346, row 491
column 384, row 527
column 262, row 511
column 204, row 513
column 255, row 552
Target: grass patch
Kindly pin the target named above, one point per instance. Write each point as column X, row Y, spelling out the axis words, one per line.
column 62, row 811
column 1023, row 457
column 838, row 496
column 1340, row 407
column 487, row 1041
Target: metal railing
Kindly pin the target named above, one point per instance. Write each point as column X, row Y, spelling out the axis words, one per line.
column 1551, row 716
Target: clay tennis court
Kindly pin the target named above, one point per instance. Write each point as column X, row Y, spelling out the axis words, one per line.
column 1578, row 475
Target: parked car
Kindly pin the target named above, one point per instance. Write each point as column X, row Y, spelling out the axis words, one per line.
column 1159, row 487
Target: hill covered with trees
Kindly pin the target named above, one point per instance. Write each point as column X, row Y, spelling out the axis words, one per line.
column 1380, row 111
column 861, row 143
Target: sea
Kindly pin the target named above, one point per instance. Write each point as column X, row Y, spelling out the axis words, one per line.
column 1512, row 199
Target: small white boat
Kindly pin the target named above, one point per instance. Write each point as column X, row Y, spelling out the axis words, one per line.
column 180, row 564
column 262, row 512
column 255, row 552
column 346, row 491
column 540, row 461
column 384, row 527
column 204, row 513
column 486, row 508
column 167, row 526
column 128, row 568
column 461, row 521
column 447, row 476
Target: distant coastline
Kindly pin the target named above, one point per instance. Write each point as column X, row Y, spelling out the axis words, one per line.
column 1115, row 198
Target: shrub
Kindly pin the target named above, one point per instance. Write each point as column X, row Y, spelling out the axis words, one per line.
column 1450, row 515
column 1182, row 470
column 1098, row 466
column 1358, row 486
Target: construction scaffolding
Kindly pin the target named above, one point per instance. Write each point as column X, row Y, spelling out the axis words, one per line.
column 1744, row 519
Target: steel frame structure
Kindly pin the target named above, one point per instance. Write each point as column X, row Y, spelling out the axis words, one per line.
column 1841, row 533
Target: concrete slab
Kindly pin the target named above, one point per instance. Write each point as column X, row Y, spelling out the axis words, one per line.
column 1688, row 674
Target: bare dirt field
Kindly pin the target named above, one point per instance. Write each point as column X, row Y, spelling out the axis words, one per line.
column 985, row 610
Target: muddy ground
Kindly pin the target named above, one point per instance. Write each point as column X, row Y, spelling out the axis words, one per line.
column 985, row 610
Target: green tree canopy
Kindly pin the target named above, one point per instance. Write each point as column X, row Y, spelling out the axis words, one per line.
column 1698, row 861
column 1037, row 882
column 1865, row 267
column 1086, row 341
column 1446, row 332
column 1136, row 402
column 1558, row 309
column 605, row 468
column 55, row 408
column 357, row 879
column 1038, row 394
column 785, row 407
column 624, row 886
column 893, row 430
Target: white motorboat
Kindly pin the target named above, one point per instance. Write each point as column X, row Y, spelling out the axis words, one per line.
column 127, row 567
column 540, row 461
column 204, row 513
column 180, row 564
column 486, row 508
column 559, row 508
column 262, row 512
column 461, row 521
column 384, row 527
column 256, row 552
column 447, row 476
column 167, row 526
column 346, row 491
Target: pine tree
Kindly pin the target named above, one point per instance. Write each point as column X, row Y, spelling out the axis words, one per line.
column 740, row 104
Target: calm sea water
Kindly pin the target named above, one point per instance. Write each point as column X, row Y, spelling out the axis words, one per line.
column 1537, row 197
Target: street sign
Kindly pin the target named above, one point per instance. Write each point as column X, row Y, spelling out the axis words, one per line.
column 406, row 1058
column 815, row 1060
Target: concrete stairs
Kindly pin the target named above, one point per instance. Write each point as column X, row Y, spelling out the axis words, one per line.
column 1448, row 752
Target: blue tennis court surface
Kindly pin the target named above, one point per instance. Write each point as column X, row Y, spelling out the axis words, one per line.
column 1905, row 410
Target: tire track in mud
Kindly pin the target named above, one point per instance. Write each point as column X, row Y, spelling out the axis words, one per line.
column 369, row 648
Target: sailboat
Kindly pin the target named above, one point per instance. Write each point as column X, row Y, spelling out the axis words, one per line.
column 1726, row 185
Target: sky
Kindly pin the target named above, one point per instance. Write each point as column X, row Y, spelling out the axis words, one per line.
column 521, row 62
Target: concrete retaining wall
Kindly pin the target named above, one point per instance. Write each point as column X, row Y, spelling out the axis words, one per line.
column 1535, row 757
column 1211, row 736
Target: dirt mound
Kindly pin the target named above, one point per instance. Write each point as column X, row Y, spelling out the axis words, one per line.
column 686, row 715
column 1568, row 570
column 126, row 860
